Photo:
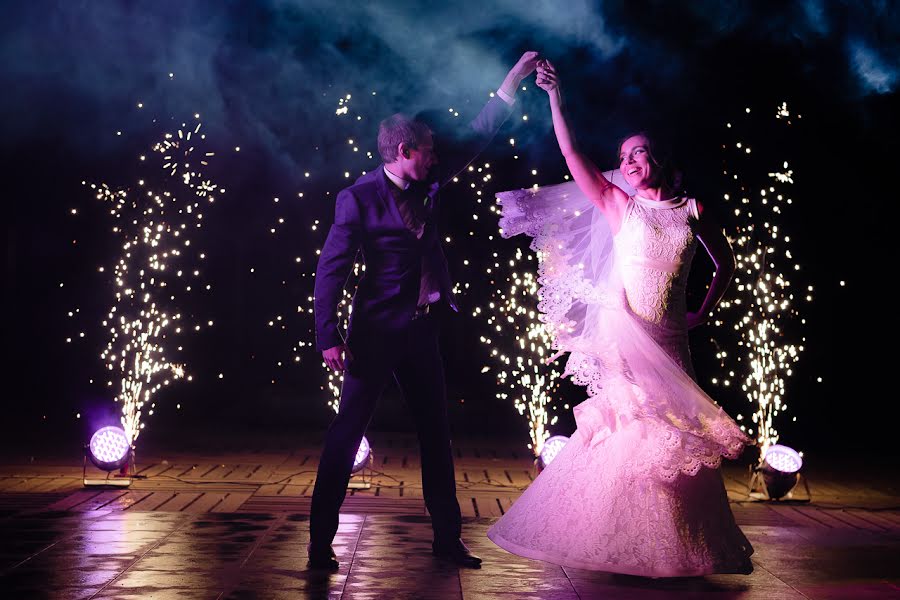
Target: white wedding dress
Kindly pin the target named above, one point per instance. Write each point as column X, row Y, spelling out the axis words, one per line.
column 637, row 489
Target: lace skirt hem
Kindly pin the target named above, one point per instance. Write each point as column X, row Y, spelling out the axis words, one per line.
column 743, row 568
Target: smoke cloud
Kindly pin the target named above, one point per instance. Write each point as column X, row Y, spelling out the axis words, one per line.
column 269, row 70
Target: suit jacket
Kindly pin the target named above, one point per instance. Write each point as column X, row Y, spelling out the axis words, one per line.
column 367, row 220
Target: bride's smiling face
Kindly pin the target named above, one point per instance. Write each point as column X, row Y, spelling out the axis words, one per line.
column 635, row 163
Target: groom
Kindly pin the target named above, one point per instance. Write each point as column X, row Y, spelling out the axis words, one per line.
column 390, row 215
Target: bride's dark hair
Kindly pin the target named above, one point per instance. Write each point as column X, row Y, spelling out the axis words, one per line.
column 660, row 149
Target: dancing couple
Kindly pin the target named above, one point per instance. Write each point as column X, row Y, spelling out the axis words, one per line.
column 637, row 488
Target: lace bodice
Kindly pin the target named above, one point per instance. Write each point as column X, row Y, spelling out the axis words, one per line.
column 654, row 249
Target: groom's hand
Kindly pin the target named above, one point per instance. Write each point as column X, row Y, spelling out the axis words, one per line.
column 334, row 357
column 522, row 69
column 526, row 65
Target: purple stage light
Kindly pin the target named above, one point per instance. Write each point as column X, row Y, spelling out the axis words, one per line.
column 783, row 459
column 362, row 455
column 781, row 470
column 550, row 449
column 109, row 448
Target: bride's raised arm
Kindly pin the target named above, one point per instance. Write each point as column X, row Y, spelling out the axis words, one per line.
column 609, row 198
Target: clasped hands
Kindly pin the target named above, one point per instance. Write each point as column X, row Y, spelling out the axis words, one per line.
column 546, row 78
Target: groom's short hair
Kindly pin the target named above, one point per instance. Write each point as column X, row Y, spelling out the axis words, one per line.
column 399, row 129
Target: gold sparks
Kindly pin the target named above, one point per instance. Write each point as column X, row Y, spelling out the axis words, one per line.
column 760, row 308
column 520, row 364
column 152, row 222
column 516, row 341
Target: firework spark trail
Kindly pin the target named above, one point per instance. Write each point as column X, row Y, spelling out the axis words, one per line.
column 524, row 376
column 521, row 369
column 335, row 379
column 522, row 342
column 300, row 347
column 760, row 308
column 154, row 221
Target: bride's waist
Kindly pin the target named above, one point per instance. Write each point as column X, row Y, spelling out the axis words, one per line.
column 656, row 264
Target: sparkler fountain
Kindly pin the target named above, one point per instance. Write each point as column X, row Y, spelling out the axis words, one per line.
column 154, row 221
column 525, row 376
column 761, row 309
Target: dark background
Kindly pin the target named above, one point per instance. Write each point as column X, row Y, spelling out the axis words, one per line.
column 267, row 76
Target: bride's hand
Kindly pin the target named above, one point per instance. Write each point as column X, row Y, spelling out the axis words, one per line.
column 547, row 78
column 696, row 319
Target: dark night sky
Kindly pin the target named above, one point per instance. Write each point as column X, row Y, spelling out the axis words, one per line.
column 267, row 75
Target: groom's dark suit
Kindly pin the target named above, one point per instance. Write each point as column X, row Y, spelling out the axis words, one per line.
column 389, row 332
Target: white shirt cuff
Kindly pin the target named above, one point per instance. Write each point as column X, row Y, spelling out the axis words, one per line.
column 506, row 97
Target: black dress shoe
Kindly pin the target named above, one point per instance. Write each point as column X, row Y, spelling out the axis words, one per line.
column 456, row 552
column 322, row 558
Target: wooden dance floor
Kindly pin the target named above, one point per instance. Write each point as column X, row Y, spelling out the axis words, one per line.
column 231, row 522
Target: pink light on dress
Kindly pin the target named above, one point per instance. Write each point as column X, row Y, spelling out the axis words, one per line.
column 550, row 449
column 637, row 489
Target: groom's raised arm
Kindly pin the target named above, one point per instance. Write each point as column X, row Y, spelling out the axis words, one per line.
column 459, row 152
column 335, row 263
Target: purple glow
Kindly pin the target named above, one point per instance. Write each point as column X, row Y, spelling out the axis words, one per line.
column 109, row 447
column 551, row 448
column 362, row 455
column 783, row 459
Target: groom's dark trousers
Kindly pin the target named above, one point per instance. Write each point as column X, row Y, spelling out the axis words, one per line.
column 391, row 335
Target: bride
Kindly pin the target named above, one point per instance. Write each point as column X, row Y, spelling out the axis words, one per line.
column 637, row 489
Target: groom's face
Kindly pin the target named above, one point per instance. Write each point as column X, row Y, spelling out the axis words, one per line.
column 422, row 158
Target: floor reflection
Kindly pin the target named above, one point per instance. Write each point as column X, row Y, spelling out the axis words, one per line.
column 129, row 554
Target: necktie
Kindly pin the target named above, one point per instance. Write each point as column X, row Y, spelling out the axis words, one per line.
column 411, row 205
